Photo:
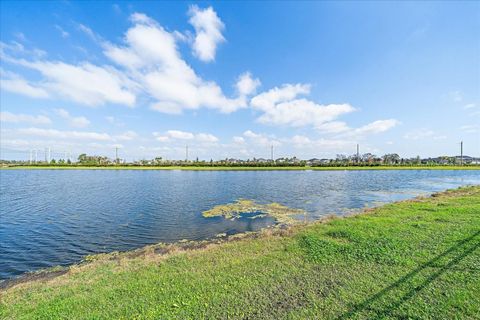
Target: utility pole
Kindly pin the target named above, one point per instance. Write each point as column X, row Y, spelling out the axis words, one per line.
column 461, row 153
column 31, row 156
column 116, row 155
column 49, row 155
column 358, row 153
column 46, row 154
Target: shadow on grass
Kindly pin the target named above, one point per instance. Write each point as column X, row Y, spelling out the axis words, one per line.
column 461, row 250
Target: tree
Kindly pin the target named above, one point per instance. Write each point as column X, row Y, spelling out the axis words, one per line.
column 82, row 158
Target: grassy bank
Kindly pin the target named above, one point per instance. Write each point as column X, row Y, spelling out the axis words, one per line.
column 416, row 259
column 208, row 168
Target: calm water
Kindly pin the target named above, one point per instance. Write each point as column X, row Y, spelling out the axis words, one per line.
column 55, row 217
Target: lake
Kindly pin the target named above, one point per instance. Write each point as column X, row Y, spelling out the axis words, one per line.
column 56, row 217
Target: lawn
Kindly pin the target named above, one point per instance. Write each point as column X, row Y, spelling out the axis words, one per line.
column 417, row 259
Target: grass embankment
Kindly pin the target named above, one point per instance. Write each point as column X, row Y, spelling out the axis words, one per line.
column 416, row 259
column 235, row 168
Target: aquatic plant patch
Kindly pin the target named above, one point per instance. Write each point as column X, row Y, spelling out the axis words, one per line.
column 251, row 209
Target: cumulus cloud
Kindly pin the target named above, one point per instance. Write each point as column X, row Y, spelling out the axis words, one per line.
column 246, row 85
column 6, row 116
column 77, row 122
column 281, row 106
column 208, row 32
column 151, row 58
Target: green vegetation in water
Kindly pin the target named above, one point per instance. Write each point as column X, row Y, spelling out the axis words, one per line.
column 281, row 213
column 416, row 259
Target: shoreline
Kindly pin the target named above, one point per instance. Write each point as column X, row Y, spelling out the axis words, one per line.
column 161, row 249
column 164, row 249
column 240, row 168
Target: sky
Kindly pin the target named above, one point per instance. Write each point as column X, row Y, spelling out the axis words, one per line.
column 232, row 79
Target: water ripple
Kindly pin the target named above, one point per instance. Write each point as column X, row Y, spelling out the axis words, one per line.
column 57, row 217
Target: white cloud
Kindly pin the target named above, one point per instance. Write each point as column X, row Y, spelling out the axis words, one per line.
column 184, row 135
column 261, row 139
column 63, row 33
column 266, row 100
column 126, row 136
column 318, row 145
column 246, row 85
column 300, row 141
column 208, row 29
column 333, row 127
column 152, row 61
column 177, row 134
column 470, row 106
column 206, row 137
column 89, row 32
column 423, row 133
column 280, row 106
column 239, row 140
column 19, row 49
column 64, row 135
column 16, row 84
column 77, row 122
column 84, row 83
column 6, row 116
column 471, row 128
column 377, row 126
column 150, row 68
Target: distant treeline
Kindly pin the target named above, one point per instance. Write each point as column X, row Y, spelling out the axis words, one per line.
column 364, row 160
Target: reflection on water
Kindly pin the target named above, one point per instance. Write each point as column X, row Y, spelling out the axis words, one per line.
column 55, row 217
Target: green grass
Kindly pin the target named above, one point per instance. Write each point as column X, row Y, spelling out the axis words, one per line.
column 208, row 168
column 416, row 259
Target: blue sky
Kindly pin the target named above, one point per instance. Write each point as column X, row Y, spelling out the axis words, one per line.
column 231, row 79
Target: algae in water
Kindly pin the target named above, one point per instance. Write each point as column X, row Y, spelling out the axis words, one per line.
column 282, row 214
